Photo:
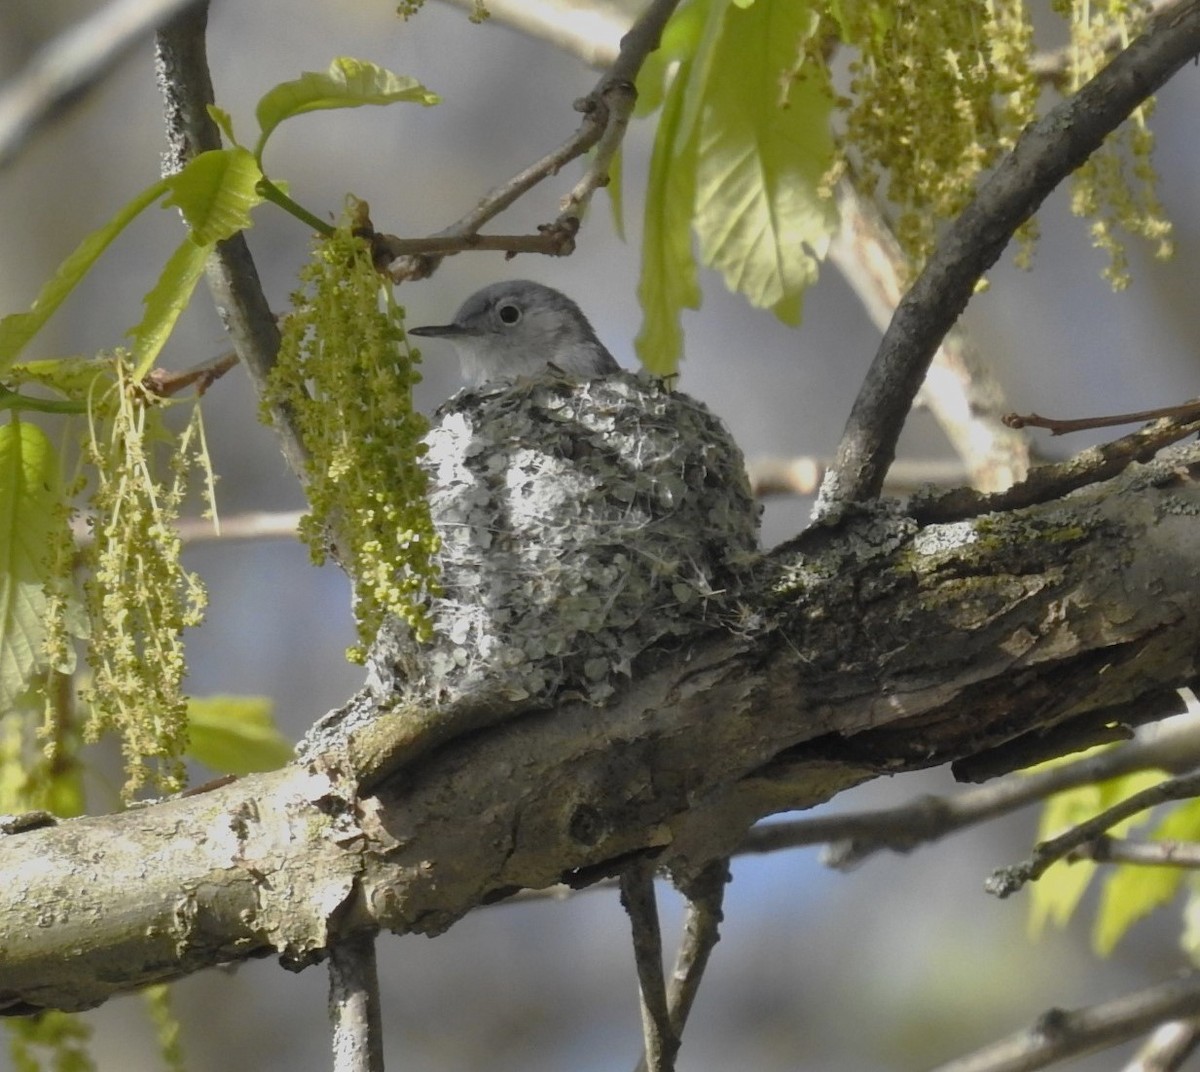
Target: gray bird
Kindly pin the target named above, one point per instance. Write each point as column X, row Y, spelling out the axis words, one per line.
column 513, row 330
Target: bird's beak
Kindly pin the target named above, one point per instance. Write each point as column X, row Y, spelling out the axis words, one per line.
column 437, row 331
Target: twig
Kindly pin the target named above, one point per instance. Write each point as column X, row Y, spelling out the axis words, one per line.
column 1008, row 880
column 802, row 476
column 701, row 931
column 594, row 35
column 1185, row 411
column 606, row 111
column 184, row 81
column 854, row 836
column 959, row 390
column 60, row 72
column 637, row 897
column 1053, row 67
column 1110, row 850
column 354, row 1005
column 1046, row 152
column 1047, row 482
column 166, row 382
column 1167, row 1048
column 1060, row 1033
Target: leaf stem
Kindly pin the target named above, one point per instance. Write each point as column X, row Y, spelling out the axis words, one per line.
column 274, row 194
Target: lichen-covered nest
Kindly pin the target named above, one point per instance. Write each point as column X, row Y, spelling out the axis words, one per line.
column 580, row 523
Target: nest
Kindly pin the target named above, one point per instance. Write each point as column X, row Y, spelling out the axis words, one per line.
column 581, row 524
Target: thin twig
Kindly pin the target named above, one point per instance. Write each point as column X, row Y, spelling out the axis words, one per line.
column 61, row 71
column 701, row 932
column 854, row 836
column 803, row 475
column 1184, row 411
column 1061, row 1033
column 186, row 87
column 1167, row 1048
column 1005, row 881
column 594, row 35
column 354, row 1005
column 1110, row 850
column 606, row 111
column 1046, row 152
column 1053, row 67
column 167, row 382
column 1048, row 482
column 637, row 897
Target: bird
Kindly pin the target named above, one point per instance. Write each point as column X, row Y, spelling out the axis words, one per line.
column 517, row 329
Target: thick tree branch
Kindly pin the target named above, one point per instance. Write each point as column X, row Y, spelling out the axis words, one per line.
column 1044, row 155
column 878, row 647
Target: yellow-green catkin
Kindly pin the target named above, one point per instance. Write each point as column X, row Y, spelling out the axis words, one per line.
column 1116, row 188
column 346, row 373
column 937, row 92
column 138, row 595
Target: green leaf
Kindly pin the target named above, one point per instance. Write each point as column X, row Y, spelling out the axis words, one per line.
column 348, row 83
column 235, row 734
column 165, row 302
column 216, row 193
column 668, row 284
column 223, row 120
column 30, row 493
column 759, row 214
column 17, row 329
column 1133, row 891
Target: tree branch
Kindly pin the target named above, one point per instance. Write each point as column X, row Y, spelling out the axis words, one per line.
column 606, row 112
column 1046, row 483
column 186, row 87
column 838, row 669
column 1060, row 1034
column 637, row 898
column 65, row 68
column 1005, row 881
column 1044, row 155
column 354, row 1005
column 854, row 836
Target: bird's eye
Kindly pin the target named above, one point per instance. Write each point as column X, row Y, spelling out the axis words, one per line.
column 509, row 313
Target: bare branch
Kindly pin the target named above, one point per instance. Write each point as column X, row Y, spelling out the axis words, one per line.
column 1110, row 850
column 1167, row 1048
column 1008, row 880
column 354, row 1004
column 803, row 475
column 1185, row 411
column 854, row 836
column 959, row 390
column 592, row 34
column 1061, row 1033
column 637, row 897
column 60, row 72
column 1045, row 154
column 186, row 87
column 1048, row 482
column 606, row 112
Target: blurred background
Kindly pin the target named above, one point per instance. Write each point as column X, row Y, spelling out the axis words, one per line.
column 897, row 966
